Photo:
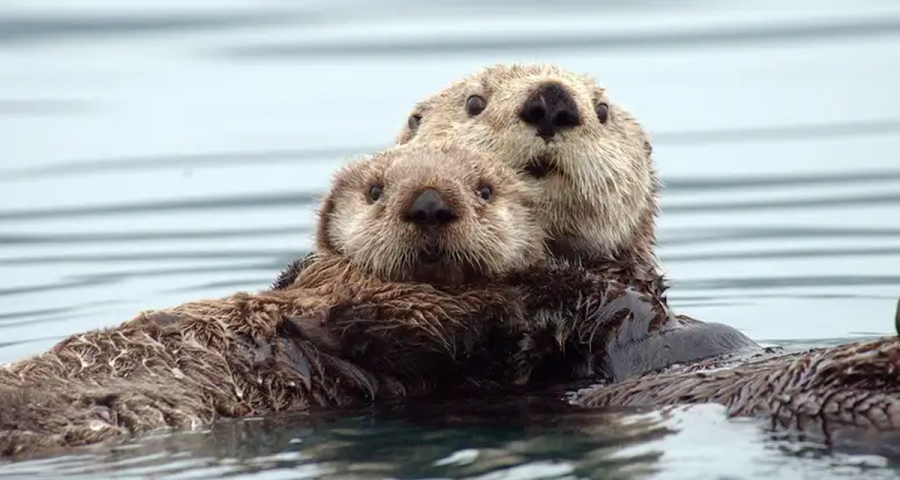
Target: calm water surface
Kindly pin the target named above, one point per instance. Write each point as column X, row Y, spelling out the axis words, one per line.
column 165, row 151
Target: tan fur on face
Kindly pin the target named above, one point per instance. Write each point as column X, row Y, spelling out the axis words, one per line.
column 488, row 240
column 601, row 205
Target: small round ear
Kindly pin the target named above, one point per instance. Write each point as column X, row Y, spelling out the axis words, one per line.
column 406, row 134
column 323, row 237
column 412, row 125
column 409, row 130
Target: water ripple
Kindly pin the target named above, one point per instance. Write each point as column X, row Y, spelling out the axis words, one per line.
column 817, row 131
column 786, row 253
column 225, row 202
column 156, row 236
column 844, row 200
column 42, row 107
column 733, row 35
column 792, row 281
column 70, row 168
column 16, row 30
column 700, row 235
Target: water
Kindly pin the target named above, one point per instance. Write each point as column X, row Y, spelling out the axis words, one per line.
column 172, row 150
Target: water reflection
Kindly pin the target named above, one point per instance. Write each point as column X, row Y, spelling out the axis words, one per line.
column 470, row 439
column 459, row 440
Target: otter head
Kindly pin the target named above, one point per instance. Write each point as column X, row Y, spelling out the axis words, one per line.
column 563, row 134
column 431, row 213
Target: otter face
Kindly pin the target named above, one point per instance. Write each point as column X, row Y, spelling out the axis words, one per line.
column 560, row 131
column 431, row 213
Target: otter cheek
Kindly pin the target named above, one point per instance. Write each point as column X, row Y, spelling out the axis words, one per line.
column 354, row 236
column 341, row 230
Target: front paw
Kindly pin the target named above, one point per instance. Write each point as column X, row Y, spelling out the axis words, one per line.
column 312, row 327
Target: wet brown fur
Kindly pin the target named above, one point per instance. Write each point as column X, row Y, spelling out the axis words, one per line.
column 598, row 208
column 831, row 390
column 344, row 333
column 341, row 335
column 829, row 393
column 241, row 355
column 601, row 211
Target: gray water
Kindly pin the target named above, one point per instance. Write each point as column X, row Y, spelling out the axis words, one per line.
column 170, row 150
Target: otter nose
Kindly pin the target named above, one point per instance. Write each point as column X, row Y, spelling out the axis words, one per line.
column 550, row 109
column 430, row 209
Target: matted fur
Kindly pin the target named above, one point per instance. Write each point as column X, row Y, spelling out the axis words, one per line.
column 242, row 355
column 600, row 203
column 343, row 334
column 832, row 393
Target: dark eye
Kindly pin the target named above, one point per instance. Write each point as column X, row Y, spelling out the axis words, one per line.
column 414, row 121
column 485, row 192
column 475, row 104
column 602, row 112
column 375, row 192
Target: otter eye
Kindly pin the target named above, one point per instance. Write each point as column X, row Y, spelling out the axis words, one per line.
column 475, row 104
column 602, row 110
column 485, row 192
column 414, row 121
column 375, row 192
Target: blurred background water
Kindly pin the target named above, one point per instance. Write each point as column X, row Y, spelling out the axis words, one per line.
column 155, row 152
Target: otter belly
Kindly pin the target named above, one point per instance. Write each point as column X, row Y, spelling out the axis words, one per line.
column 636, row 350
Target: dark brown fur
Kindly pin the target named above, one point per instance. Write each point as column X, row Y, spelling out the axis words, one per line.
column 851, row 390
column 329, row 345
column 337, row 336
column 599, row 204
column 341, row 335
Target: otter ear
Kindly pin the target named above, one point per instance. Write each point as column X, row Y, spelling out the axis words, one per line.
column 406, row 134
column 412, row 124
column 409, row 130
column 648, row 147
column 323, row 230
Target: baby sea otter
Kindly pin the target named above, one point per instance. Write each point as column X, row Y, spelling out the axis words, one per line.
column 359, row 325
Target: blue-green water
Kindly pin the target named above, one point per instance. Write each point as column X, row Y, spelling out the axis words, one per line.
column 155, row 152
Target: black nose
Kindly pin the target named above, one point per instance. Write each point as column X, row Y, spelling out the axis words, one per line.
column 550, row 109
column 430, row 208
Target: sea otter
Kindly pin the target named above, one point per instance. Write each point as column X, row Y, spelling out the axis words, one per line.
column 590, row 157
column 359, row 325
column 428, row 258
column 591, row 161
